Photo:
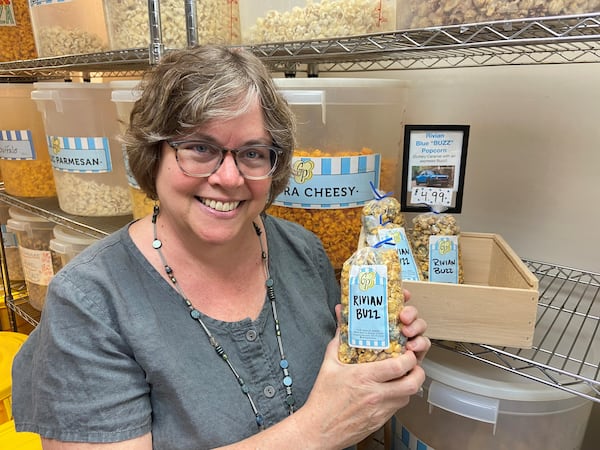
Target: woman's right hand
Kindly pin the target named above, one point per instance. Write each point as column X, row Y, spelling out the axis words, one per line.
column 351, row 401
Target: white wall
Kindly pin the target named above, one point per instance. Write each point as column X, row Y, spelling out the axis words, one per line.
column 533, row 164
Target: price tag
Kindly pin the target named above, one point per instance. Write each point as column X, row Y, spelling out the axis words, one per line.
column 431, row 196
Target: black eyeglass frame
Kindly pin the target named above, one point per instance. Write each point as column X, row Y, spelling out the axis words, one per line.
column 234, row 151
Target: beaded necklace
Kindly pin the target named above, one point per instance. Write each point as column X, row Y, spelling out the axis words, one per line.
column 197, row 316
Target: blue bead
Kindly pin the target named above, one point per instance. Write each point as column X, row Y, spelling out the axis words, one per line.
column 290, row 400
column 269, row 282
column 195, row 314
column 284, row 364
column 260, row 420
column 287, row 381
column 156, row 243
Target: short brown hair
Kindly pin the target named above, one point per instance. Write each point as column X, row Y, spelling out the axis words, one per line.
column 192, row 86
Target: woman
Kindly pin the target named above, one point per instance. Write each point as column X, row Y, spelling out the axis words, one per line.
column 209, row 323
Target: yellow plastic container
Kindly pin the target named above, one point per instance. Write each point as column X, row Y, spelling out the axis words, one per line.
column 10, row 439
column 39, row 265
column 124, row 95
column 24, row 158
column 10, row 343
column 16, row 33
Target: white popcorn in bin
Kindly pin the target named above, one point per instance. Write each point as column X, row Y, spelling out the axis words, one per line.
column 127, row 20
column 278, row 21
column 429, row 13
column 65, row 28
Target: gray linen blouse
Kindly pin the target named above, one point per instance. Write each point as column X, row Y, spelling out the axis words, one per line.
column 116, row 353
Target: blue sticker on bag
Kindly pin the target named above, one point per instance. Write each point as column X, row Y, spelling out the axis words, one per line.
column 443, row 259
column 368, row 307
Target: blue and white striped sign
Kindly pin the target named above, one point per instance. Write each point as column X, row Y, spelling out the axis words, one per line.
column 368, row 307
column 405, row 440
column 16, row 145
column 331, row 182
column 46, row 2
column 80, row 154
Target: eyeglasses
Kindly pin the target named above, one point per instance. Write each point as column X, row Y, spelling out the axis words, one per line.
column 202, row 159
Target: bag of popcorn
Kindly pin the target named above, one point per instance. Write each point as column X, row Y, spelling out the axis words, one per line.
column 372, row 298
column 435, row 242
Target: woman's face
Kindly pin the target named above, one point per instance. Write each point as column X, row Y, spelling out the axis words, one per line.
column 221, row 206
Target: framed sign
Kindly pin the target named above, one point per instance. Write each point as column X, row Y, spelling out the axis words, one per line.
column 433, row 167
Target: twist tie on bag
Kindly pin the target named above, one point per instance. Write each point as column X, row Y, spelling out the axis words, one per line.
column 376, row 193
column 387, row 241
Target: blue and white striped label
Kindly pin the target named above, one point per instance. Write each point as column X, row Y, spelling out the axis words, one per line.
column 16, row 144
column 80, row 154
column 405, row 440
column 443, row 259
column 331, row 182
column 368, row 307
column 46, row 2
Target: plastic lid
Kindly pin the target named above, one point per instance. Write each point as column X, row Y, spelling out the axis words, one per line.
column 42, row 85
column 126, row 95
column 69, row 241
column 350, row 91
column 15, row 90
column 10, row 343
column 21, row 220
column 472, row 376
column 21, row 214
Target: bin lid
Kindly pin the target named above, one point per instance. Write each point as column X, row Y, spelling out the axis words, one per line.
column 349, row 91
column 21, row 214
column 475, row 377
column 15, row 90
column 21, row 220
column 126, row 91
column 69, row 241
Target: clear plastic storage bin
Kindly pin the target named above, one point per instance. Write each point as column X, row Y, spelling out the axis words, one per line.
column 349, row 131
column 68, row 243
column 39, row 266
column 11, row 247
column 468, row 404
column 294, row 20
column 81, row 128
column 128, row 25
column 68, row 27
column 124, row 95
column 24, row 158
column 430, row 13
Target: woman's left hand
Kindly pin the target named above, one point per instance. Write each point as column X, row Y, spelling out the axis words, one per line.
column 413, row 328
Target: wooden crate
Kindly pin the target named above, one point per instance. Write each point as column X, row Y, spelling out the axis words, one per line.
column 496, row 305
